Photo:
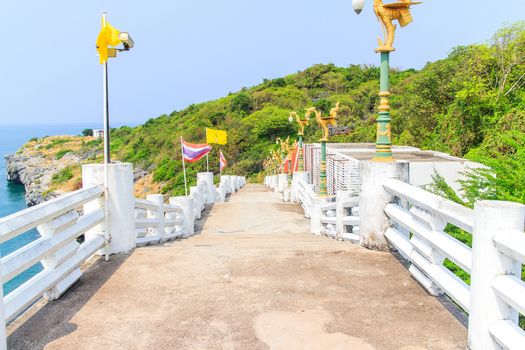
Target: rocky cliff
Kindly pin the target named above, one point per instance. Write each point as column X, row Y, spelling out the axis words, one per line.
column 51, row 166
column 48, row 167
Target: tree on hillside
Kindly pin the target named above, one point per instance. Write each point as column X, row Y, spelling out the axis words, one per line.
column 241, row 103
column 509, row 50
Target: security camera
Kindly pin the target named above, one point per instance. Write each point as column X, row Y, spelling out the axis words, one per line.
column 126, row 40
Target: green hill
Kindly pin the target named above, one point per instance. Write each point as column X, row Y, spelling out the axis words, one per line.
column 470, row 104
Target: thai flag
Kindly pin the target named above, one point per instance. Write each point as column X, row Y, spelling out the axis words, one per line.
column 222, row 161
column 194, row 152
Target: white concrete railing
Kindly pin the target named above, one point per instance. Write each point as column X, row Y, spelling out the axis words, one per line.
column 61, row 221
column 418, row 234
column 336, row 217
column 60, row 224
column 496, row 296
column 157, row 222
column 305, row 195
column 340, row 219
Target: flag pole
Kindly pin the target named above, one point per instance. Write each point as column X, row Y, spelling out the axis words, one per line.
column 107, row 159
column 207, row 159
column 183, row 167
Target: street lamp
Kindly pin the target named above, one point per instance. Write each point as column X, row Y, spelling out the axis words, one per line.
column 107, row 40
column 127, row 43
column 324, row 122
column 358, row 5
column 386, row 14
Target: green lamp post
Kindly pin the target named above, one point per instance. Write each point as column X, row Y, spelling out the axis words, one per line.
column 324, row 122
column 386, row 14
column 303, row 122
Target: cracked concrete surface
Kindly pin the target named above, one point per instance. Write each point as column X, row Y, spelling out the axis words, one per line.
column 252, row 279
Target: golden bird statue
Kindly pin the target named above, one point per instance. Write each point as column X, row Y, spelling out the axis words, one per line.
column 303, row 122
column 324, row 122
column 387, row 14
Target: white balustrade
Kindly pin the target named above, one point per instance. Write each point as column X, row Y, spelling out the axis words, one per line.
column 418, row 234
column 157, row 222
column 347, row 213
column 496, row 296
column 60, row 223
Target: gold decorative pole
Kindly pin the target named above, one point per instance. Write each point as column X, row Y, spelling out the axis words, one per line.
column 386, row 14
column 286, row 149
column 303, row 122
column 324, row 122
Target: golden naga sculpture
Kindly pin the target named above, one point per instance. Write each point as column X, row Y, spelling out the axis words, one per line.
column 275, row 158
column 286, row 146
column 302, row 122
column 324, row 122
column 387, row 14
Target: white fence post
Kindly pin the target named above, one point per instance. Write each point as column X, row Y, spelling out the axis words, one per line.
column 186, row 203
column 316, row 214
column 226, row 183
column 282, row 181
column 51, row 262
column 373, row 200
column 207, row 178
column 491, row 218
column 120, row 202
column 158, row 214
column 220, row 194
column 340, row 212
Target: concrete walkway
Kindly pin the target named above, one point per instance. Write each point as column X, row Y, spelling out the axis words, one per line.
column 253, row 279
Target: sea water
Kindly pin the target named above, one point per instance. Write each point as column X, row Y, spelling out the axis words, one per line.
column 12, row 195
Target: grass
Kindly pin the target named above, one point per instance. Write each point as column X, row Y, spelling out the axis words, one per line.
column 57, row 142
column 62, row 176
column 62, row 153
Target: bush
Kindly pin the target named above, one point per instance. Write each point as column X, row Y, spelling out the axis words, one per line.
column 87, row 132
column 93, row 143
column 62, row 176
column 241, row 103
column 62, row 153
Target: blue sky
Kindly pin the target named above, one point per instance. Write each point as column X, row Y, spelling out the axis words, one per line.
column 193, row 51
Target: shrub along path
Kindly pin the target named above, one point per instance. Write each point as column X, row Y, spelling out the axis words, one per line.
column 252, row 279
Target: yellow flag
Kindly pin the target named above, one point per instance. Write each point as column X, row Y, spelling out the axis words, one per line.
column 216, row 136
column 108, row 36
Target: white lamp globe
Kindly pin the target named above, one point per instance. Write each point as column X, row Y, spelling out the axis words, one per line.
column 358, row 5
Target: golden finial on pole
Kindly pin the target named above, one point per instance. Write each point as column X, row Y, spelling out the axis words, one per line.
column 387, row 14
